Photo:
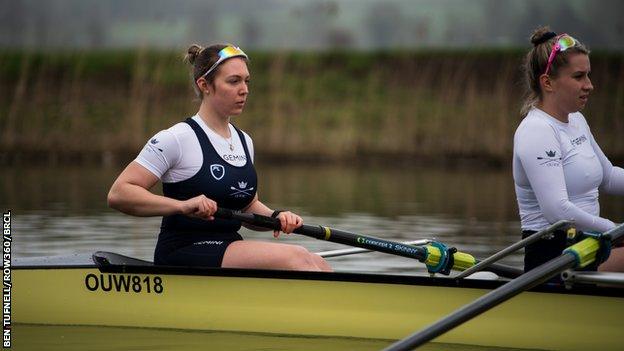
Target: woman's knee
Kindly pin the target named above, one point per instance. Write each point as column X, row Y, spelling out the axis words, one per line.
column 321, row 263
column 299, row 258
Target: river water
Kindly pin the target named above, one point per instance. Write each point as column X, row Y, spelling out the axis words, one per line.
column 61, row 210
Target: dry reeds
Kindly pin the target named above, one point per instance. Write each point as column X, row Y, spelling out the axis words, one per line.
column 437, row 106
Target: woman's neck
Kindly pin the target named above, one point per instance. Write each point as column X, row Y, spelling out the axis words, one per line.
column 553, row 109
column 215, row 121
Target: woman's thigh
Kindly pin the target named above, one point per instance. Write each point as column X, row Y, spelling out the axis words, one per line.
column 264, row 255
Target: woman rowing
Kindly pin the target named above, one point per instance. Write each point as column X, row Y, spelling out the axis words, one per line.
column 205, row 162
column 558, row 167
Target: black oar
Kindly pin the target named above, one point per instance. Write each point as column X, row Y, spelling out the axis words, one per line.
column 580, row 254
column 437, row 257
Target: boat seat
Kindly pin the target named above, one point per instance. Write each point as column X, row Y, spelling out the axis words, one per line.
column 104, row 258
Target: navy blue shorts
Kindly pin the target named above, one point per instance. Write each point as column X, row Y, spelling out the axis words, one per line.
column 205, row 250
column 543, row 250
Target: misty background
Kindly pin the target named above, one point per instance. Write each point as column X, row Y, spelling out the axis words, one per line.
column 304, row 24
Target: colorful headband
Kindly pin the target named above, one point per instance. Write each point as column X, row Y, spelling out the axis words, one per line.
column 226, row 53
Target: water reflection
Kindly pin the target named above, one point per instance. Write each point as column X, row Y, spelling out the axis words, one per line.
column 60, row 211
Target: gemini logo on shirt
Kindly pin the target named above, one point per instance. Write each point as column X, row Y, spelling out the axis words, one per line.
column 551, row 159
column 234, row 158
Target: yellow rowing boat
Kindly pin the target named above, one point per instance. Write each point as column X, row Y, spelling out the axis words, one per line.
column 114, row 290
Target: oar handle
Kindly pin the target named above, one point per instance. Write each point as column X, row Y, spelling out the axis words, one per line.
column 316, row 232
column 251, row 218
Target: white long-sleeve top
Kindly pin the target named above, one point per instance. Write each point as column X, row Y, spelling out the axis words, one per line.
column 558, row 168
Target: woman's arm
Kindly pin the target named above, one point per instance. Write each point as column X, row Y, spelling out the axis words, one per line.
column 130, row 194
column 131, row 191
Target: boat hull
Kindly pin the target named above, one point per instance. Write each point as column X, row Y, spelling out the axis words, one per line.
column 297, row 303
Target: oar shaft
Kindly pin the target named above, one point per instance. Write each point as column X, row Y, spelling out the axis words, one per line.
column 616, row 234
column 367, row 242
column 484, row 303
column 345, row 252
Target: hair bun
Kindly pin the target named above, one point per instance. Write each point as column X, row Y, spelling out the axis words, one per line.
column 542, row 35
column 192, row 53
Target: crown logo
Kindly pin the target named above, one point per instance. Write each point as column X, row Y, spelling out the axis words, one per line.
column 551, row 153
column 242, row 185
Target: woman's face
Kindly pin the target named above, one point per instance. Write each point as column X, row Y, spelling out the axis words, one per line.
column 229, row 92
column 572, row 86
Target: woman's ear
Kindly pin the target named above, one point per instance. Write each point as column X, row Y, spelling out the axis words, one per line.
column 203, row 85
column 546, row 83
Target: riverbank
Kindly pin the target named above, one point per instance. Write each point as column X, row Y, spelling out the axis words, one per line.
column 435, row 106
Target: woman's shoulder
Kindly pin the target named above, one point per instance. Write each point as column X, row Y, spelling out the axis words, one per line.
column 179, row 129
column 533, row 121
column 578, row 118
column 536, row 129
column 172, row 137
